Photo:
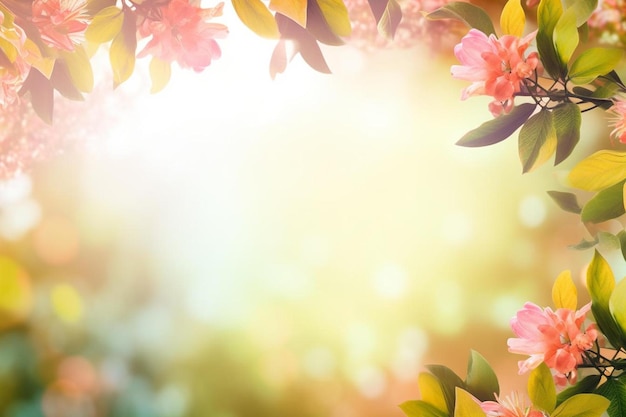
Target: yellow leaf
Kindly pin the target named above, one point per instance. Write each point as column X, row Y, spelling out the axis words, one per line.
column 105, row 25
column 564, row 293
column 45, row 65
column 513, row 19
column 431, row 391
column 255, row 15
column 466, row 405
column 123, row 48
column 79, row 68
column 160, row 72
column 336, row 16
column 599, row 171
column 293, row 9
column 617, row 304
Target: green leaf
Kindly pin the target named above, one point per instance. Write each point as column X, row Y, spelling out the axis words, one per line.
column 617, row 306
column 481, row 380
column 160, row 73
column 431, row 392
column 615, row 391
column 471, row 15
column 537, row 140
column 449, row 382
column 513, row 19
column 336, row 15
column 600, row 284
column 79, row 68
column 256, row 16
column 123, row 48
column 622, row 241
column 583, row 9
column 564, row 292
column 417, row 408
column 390, row 19
column 566, row 201
column 582, row 405
column 584, row 244
column 567, row 119
column 608, row 241
column 62, row 82
column 606, row 205
column 565, row 36
column 498, row 129
column 541, row 389
column 548, row 14
column 586, row 385
column 593, row 63
column 105, row 25
column 599, row 171
column 466, row 405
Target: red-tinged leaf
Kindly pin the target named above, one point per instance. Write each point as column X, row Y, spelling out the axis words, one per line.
column 278, row 63
column 567, row 119
column 94, row 6
column 471, row 15
column 62, row 82
column 390, row 19
column 566, row 201
column 255, row 15
column 41, row 95
column 293, row 9
column 498, row 129
column 304, row 43
column 317, row 26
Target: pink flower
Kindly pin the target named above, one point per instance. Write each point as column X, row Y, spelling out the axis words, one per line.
column 61, row 23
column 511, row 406
column 182, row 34
column 496, row 66
column 617, row 119
column 14, row 64
column 553, row 337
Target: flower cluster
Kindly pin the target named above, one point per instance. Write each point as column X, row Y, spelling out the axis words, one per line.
column 497, row 67
column 553, row 337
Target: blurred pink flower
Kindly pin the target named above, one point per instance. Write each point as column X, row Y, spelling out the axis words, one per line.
column 181, row 33
column 61, row 23
column 510, row 406
column 496, row 66
column 14, row 65
column 617, row 120
column 553, row 337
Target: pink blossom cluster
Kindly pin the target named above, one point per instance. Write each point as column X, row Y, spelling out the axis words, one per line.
column 553, row 337
column 414, row 29
column 61, row 23
column 617, row 119
column 607, row 22
column 181, row 32
column 496, row 67
column 14, row 65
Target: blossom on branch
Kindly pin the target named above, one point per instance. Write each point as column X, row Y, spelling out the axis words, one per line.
column 553, row 337
column 510, row 406
column 180, row 32
column 61, row 23
column 495, row 66
column 617, row 119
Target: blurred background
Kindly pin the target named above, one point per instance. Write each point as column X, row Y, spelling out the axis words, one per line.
column 238, row 246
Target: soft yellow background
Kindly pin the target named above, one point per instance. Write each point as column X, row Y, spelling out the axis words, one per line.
column 237, row 246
